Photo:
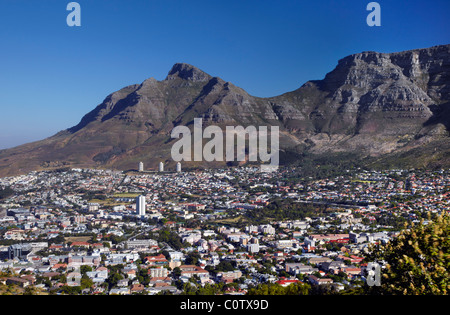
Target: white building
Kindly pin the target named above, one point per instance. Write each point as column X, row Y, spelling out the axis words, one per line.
column 141, row 167
column 161, row 166
column 251, row 229
column 158, row 272
column 266, row 229
column 178, row 167
column 253, row 245
column 140, row 205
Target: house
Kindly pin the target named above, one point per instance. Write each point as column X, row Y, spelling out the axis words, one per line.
column 170, row 224
column 18, row 281
column 230, row 276
column 156, row 260
column 324, row 238
column 356, row 259
column 130, row 273
column 299, row 268
column 122, row 283
column 338, row 286
column 319, row 281
column 159, row 272
column 287, row 282
column 333, row 266
column 160, row 281
column 319, row 260
column 195, row 207
column 137, row 288
column 119, row 291
column 73, row 279
column 30, row 278
column 14, row 234
column 161, row 288
column 99, row 275
column 102, row 271
column 352, row 258
column 191, row 270
column 161, row 285
column 80, row 244
column 351, row 271
column 97, row 246
column 176, row 256
column 118, row 259
column 51, row 275
column 59, row 266
column 76, row 261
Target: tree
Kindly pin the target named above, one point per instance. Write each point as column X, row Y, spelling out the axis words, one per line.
column 176, row 272
column 70, row 290
column 276, row 289
column 171, row 238
column 6, row 192
column 225, row 265
column 192, row 258
column 416, row 261
column 30, row 290
column 114, row 275
column 143, row 276
column 84, row 269
column 86, row 282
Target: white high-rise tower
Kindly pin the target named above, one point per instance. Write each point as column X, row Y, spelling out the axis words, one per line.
column 161, row 166
column 141, row 167
column 178, row 167
column 140, row 205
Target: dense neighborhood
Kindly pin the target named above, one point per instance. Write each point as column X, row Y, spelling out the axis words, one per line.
column 223, row 231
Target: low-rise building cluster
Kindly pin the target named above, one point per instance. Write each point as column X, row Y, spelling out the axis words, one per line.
column 81, row 230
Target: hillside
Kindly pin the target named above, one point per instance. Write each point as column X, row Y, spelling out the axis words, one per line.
column 387, row 109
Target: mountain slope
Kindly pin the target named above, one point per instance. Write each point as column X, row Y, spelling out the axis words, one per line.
column 372, row 104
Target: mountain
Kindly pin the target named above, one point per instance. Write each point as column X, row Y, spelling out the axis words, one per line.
column 393, row 108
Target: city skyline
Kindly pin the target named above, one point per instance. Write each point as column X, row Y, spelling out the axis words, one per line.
column 149, row 233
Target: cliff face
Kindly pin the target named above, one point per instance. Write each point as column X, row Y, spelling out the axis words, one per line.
column 371, row 103
column 374, row 103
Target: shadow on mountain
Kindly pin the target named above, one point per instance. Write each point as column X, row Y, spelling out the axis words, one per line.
column 441, row 115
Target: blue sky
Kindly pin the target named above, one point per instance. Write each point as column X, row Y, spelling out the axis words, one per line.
column 52, row 74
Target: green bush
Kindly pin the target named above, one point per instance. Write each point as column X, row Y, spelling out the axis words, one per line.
column 416, row 261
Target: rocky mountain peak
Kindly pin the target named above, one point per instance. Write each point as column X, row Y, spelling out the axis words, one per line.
column 187, row 72
column 371, row 104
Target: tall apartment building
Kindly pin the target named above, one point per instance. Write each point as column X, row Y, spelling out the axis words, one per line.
column 140, row 205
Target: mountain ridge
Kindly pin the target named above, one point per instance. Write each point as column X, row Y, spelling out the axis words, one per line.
column 374, row 104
